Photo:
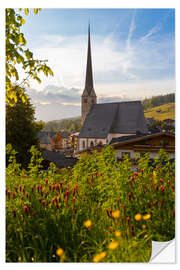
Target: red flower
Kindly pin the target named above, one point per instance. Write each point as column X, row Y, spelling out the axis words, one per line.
column 157, row 187
column 124, row 206
column 135, row 174
column 32, row 189
column 173, row 213
column 26, row 209
column 46, row 181
column 43, row 203
column 157, row 167
column 49, row 186
column 20, row 188
column 122, row 219
column 57, row 205
column 162, row 188
column 57, row 186
column 169, row 182
column 13, row 195
column 14, row 213
column 128, row 219
column 53, row 187
column 9, row 193
column 67, row 193
column 161, row 180
column 61, row 183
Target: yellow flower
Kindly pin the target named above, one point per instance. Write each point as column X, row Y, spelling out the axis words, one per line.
column 59, row 252
column 99, row 257
column 138, row 217
column 87, row 223
column 117, row 233
column 143, row 226
column 113, row 245
column 146, row 217
column 116, row 214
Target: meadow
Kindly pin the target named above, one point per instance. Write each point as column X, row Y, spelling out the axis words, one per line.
column 162, row 112
column 97, row 211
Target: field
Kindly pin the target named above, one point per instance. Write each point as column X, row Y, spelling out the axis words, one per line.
column 162, row 112
column 98, row 211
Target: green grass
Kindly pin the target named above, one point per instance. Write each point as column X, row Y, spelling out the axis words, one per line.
column 161, row 112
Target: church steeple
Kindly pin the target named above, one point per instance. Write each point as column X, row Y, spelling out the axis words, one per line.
column 89, row 96
column 89, row 74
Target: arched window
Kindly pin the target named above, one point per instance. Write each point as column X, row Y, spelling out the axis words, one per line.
column 100, row 143
column 91, row 144
column 83, row 144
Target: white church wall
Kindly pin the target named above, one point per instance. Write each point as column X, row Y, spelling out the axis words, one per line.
column 88, row 142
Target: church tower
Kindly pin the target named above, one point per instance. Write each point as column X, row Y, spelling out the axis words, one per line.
column 89, row 96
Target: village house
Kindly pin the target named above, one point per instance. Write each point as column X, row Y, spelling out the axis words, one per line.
column 103, row 122
column 136, row 146
column 54, row 141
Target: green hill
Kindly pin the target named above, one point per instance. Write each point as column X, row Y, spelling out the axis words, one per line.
column 161, row 112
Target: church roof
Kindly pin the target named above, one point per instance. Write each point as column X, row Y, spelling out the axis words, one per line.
column 120, row 117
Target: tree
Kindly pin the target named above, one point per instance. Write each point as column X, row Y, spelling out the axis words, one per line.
column 21, row 128
column 18, row 54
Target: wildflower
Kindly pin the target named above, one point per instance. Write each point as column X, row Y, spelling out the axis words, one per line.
column 132, row 178
column 14, row 213
column 43, row 203
column 155, row 202
column 161, row 180
column 20, row 187
column 113, row 245
column 59, row 252
column 122, row 219
column 26, row 209
column 116, row 214
column 53, row 187
column 46, row 181
column 9, row 193
column 162, row 188
column 67, row 193
column 135, row 174
column 169, row 182
column 99, row 257
column 143, row 226
column 124, row 206
column 128, row 219
column 16, row 189
column 13, row 195
column 117, row 233
column 146, row 217
column 157, row 187
column 138, row 217
column 57, row 186
column 57, row 206
column 88, row 223
column 157, row 167
column 32, row 189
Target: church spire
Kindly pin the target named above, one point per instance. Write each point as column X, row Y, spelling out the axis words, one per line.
column 89, row 74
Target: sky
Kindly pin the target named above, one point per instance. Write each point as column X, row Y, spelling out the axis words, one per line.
column 133, row 56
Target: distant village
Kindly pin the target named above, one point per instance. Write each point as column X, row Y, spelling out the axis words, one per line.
column 120, row 124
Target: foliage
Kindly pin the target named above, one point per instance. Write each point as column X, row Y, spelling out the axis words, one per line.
column 21, row 128
column 158, row 100
column 99, row 211
column 19, row 56
column 67, row 125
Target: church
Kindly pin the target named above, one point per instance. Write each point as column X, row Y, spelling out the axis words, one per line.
column 103, row 122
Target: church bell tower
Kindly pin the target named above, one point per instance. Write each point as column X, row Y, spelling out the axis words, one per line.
column 89, row 96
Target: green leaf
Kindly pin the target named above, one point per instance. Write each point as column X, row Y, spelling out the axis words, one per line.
column 26, row 11
column 35, row 10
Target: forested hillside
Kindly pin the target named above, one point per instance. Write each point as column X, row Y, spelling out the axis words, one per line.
column 69, row 124
column 158, row 100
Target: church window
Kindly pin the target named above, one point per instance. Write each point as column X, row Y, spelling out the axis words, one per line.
column 100, row 143
column 85, row 100
column 91, row 144
column 83, row 144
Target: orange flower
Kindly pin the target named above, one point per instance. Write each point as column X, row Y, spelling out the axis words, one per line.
column 88, row 223
column 99, row 257
column 116, row 214
column 59, row 252
column 138, row 217
column 113, row 245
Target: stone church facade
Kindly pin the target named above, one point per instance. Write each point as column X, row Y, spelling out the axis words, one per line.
column 104, row 121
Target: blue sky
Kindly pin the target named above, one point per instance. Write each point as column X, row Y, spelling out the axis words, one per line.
column 133, row 56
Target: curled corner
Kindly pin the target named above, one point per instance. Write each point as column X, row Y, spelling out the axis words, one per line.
column 163, row 252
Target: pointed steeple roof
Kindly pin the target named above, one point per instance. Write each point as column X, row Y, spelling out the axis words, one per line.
column 89, row 74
